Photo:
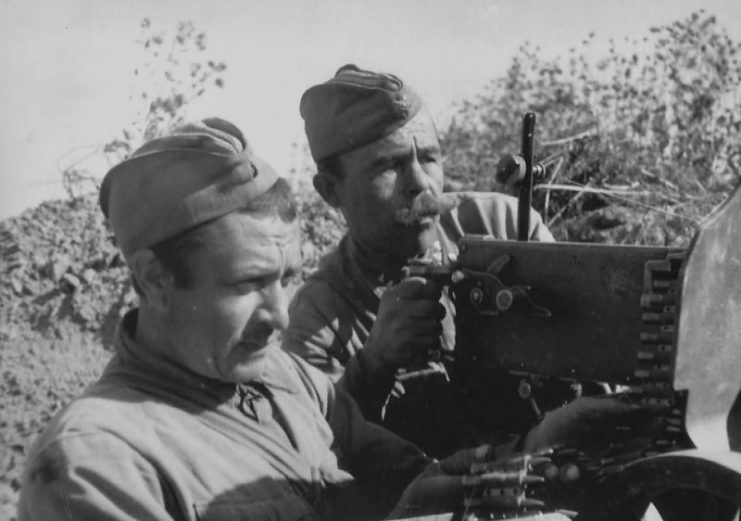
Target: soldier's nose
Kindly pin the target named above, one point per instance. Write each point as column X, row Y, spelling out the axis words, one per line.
column 274, row 307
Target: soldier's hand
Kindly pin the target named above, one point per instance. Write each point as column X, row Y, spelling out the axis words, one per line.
column 439, row 488
column 407, row 326
column 463, row 479
column 586, row 420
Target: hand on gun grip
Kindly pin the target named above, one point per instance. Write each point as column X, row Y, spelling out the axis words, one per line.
column 408, row 325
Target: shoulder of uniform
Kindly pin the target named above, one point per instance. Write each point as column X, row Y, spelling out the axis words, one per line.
column 311, row 379
column 325, row 290
column 95, row 415
column 492, row 198
column 327, row 263
column 469, row 204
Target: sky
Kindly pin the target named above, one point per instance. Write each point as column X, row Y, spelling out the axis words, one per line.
column 68, row 65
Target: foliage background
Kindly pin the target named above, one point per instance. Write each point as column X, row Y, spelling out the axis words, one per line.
column 639, row 145
column 643, row 141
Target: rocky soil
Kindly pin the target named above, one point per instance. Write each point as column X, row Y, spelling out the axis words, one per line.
column 62, row 289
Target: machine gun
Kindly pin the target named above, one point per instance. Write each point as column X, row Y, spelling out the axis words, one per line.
column 662, row 324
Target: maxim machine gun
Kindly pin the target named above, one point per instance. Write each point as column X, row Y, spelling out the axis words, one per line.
column 662, row 325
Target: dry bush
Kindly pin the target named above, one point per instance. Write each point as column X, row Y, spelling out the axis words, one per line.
column 653, row 127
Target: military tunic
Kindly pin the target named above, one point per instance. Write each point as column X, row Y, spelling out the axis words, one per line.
column 152, row 441
column 332, row 314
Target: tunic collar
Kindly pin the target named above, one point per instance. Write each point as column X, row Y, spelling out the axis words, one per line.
column 376, row 284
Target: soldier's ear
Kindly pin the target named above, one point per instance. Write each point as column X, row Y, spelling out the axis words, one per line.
column 153, row 279
column 327, row 186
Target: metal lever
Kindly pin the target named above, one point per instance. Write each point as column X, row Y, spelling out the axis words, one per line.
column 526, row 190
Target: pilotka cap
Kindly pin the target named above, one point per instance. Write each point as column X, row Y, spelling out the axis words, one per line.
column 199, row 172
column 355, row 108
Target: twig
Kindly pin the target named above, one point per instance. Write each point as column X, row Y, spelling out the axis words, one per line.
column 563, row 141
column 94, row 149
column 615, row 194
column 550, row 159
column 659, row 179
column 560, row 212
column 43, row 183
column 550, row 183
column 655, row 208
column 580, row 188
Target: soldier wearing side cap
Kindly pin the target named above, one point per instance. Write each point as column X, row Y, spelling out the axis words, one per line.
column 199, row 415
column 379, row 161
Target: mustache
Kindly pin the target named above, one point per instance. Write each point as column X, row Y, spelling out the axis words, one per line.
column 425, row 204
column 259, row 334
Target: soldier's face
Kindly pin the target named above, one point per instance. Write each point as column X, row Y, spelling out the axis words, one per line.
column 220, row 325
column 390, row 190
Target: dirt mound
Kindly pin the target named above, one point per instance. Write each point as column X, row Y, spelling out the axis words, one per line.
column 62, row 273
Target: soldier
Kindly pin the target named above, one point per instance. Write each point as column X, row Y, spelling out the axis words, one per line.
column 198, row 415
column 379, row 161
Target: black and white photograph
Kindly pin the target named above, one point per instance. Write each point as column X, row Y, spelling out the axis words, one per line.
column 421, row 260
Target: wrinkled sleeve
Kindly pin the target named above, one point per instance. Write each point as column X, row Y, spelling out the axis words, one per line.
column 382, row 463
column 370, row 394
column 491, row 213
column 315, row 337
column 94, row 477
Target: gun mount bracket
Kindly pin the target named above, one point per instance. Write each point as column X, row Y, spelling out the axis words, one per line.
column 490, row 296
